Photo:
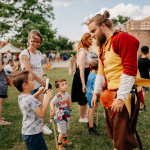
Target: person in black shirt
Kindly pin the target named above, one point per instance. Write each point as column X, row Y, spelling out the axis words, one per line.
column 144, row 68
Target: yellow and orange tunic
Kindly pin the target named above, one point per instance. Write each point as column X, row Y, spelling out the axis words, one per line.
column 116, row 56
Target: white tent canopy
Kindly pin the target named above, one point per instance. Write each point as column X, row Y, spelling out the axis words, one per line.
column 10, row 47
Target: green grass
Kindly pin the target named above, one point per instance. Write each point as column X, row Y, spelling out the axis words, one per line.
column 10, row 135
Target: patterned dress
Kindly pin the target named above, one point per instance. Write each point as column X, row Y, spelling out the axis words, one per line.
column 3, row 84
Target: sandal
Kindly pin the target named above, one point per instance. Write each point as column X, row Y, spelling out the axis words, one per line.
column 5, row 123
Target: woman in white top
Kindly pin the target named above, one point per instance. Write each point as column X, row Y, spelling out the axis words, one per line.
column 81, row 75
column 31, row 59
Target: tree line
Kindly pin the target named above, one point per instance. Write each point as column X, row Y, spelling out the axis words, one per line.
column 19, row 17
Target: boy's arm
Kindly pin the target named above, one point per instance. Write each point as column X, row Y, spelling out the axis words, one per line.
column 52, row 106
column 40, row 91
column 41, row 111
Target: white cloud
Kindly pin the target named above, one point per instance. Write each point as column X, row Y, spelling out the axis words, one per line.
column 87, row 0
column 64, row 3
column 135, row 12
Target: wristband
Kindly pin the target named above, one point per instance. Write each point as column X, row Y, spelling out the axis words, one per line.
column 44, row 75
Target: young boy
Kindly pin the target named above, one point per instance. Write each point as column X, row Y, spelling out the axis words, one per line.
column 144, row 68
column 60, row 105
column 32, row 110
column 89, row 95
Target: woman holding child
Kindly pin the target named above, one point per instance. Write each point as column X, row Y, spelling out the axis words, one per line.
column 81, row 75
column 31, row 59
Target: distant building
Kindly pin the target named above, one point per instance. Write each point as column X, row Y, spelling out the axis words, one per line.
column 139, row 29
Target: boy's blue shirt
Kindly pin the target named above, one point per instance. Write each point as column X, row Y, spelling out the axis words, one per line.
column 90, row 85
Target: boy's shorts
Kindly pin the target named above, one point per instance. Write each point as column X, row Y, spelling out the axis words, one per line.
column 35, row 142
column 145, row 89
column 63, row 126
column 89, row 103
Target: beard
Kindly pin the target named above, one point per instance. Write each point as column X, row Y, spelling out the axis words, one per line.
column 101, row 39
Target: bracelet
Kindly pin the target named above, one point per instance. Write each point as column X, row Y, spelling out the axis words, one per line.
column 44, row 75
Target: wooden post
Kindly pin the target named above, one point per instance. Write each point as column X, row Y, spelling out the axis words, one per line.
column 55, row 135
column 97, row 116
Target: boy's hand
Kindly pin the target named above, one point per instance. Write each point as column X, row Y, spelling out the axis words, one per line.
column 41, row 89
column 52, row 114
column 49, row 94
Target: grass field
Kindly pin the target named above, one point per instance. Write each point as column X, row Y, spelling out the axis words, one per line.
column 10, row 135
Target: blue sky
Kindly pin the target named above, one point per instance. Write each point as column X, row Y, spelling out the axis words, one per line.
column 70, row 14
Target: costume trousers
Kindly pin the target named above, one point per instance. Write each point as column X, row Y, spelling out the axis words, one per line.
column 121, row 128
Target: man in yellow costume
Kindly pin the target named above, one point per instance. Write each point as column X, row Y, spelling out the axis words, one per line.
column 117, row 72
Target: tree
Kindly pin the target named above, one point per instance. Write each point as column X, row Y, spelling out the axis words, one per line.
column 62, row 43
column 120, row 19
column 19, row 17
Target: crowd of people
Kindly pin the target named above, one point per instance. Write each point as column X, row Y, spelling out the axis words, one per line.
column 115, row 71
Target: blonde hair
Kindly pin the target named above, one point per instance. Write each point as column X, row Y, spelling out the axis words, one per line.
column 99, row 19
column 33, row 33
column 83, row 42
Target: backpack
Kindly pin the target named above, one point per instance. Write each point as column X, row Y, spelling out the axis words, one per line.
column 72, row 65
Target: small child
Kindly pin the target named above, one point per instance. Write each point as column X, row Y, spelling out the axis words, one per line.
column 89, row 95
column 60, row 105
column 32, row 110
column 144, row 68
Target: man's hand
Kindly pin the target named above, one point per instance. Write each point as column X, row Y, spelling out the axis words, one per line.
column 117, row 105
column 94, row 99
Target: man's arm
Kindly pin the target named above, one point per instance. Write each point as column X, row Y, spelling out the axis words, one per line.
column 126, row 46
column 99, row 83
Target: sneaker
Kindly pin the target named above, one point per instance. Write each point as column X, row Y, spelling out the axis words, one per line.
column 60, row 147
column 83, row 120
column 94, row 125
column 141, row 110
column 46, row 130
column 93, row 132
column 67, row 142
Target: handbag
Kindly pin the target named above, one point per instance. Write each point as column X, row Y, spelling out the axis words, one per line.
column 107, row 98
column 72, row 65
column 9, row 80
